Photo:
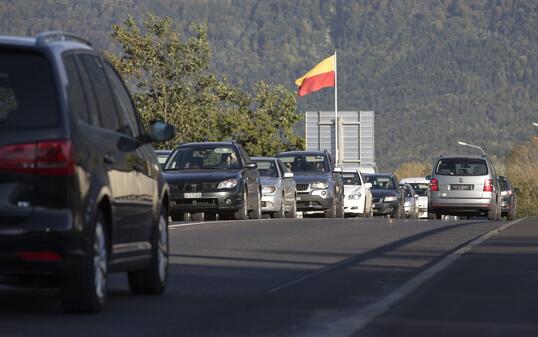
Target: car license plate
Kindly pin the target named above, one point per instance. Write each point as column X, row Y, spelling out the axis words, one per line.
column 461, row 187
column 192, row 195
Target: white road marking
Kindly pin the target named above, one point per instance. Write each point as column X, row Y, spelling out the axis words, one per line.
column 356, row 321
column 179, row 225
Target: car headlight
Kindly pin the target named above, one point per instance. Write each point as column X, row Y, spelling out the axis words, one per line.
column 268, row 189
column 230, row 183
column 390, row 198
column 319, row 185
column 355, row 196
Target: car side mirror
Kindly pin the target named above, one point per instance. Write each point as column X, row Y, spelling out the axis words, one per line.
column 159, row 131
column 288, row 175
column 368, row 185
column 428, row 177
column 338, row 170
column 128, row 144
column 251, row 166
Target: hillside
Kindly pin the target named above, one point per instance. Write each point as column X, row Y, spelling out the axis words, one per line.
column 434, row 71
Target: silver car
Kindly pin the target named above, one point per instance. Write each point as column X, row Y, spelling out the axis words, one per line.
column 411, row 209
column 464, row 186
column 278, row 188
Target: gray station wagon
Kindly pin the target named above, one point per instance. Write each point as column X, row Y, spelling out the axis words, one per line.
column 464, row 186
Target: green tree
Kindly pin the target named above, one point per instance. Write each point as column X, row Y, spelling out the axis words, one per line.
column 171, row 80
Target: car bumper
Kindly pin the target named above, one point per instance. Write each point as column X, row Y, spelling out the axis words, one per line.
column 271, row 203
column 354, row 206
column 43, row 244
column 461, row 205
column 221, row 201
column 308, row 202
column 384, row 208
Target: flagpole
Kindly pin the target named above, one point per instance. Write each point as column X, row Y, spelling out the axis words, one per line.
column 335, row 111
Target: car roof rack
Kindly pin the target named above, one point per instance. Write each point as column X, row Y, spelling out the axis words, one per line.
column 45, row 37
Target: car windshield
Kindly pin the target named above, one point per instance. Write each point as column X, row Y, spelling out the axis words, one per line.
column 204, row 157
column 381, row 182
column 462, row 167
column 504, row 185
column 28, row 97
column 267, row 168
column 420, row 188
column 305, row 163
column 162, row 158
column 351, row 179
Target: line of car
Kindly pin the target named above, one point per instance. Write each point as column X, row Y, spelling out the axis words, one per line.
column 82, row 193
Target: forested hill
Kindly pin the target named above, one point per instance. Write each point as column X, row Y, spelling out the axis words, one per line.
column 435, row 71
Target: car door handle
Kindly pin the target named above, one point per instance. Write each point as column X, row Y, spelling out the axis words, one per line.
column 108, row 159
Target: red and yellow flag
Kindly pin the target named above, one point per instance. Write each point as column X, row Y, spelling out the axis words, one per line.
column 321, row 76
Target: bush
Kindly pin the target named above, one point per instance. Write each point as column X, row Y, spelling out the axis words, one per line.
column 522, row 170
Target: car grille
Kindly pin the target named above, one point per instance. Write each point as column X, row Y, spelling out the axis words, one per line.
column 194, row 187
column 376, row 200
column 302, row 187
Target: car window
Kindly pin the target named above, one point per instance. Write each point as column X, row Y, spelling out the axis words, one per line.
column 75, row 91
column 305, row 163
column 351, row 179
column 462, row 167
column 244, row 154
column 124, row 104
column 105, row 101
column 504, row 185
column 28, row 97
column 420, row 188
column 380, row 182
column 267, row 168
column 283, row 168
column 89, row 93
column 204, row 157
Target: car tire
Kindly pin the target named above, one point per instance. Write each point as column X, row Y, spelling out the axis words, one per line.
column 282, row 212
column 331, row 212
column 340, row 211
column 153, row 279
column 256, row 213
column 494, row 214
column 293, row 212
column 438, row 216
column 85, row 292
column 242, row 213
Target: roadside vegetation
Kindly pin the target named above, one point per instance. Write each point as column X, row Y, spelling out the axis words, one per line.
column 522, row 170
column 413, row 169
column 170, row 79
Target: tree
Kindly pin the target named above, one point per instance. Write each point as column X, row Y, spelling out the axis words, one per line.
column 171, row 80
column 413, row 169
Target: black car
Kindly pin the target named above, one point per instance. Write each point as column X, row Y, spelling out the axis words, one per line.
column 319, row 184
column 81, row 193
column 508, row 198
column 387, row 198
column 210, row 179
column 162, row 156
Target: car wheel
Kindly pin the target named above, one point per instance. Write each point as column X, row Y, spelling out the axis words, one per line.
column 494, row 214
column 438, row 216
column 86, row 291
column 331, row 213
column 256, row 213
column 242, row 213
column 152, row 280
column 293, row 212
column 282, row 212
column 340, row 212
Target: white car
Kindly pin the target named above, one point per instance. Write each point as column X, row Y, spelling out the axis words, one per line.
column 421, row 186
column 357, row 195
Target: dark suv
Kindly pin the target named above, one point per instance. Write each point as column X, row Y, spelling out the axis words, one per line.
column 81, row 193
column 208, row 178
column 319, row 183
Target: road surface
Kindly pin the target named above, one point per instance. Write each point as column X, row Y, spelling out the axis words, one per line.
column 290, row 277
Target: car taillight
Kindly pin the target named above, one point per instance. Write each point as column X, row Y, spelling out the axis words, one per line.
column 53, row 157
column 434, row 185
column 488, row 185
column 43, row 256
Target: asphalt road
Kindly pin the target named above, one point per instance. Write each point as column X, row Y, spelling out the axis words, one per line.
column 293, row 277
